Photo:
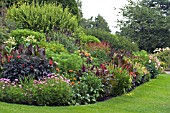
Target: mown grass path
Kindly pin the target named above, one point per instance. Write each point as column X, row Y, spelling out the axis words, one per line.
column 151, row 97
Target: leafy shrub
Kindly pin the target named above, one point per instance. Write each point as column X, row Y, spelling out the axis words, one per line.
column 141, row 57
column 54, row 90
column 153, row 69
column 24, row 66
column 10, row 44
column 52, row 46
column 19, row 33
column 89, row 39
column 68, row 62
column 24, row 61
column 100, row 57
column 115, row 41
column 100, row 52
column 3, row 35
column 150, row 62
column 164, row 56
column 140, row 74
column 68, row 3
column 115, row 80
column 87, row 90
column 68, row 42
column 86, row 56
column 95, row 46
column 46, row 17
column 119, row 81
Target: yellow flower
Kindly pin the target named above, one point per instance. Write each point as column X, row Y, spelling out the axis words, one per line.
column 74, row 78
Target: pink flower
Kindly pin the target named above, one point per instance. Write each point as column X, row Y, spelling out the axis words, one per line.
column 20, row 86
column 16, row 80
column 52, row 76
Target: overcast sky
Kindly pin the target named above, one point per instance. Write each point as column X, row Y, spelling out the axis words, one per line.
column 105, row 8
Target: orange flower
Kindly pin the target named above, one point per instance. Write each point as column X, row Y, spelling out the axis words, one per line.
column 3, row 61
column 72, row 83
column 70, row 71
column 74, row 78
column 91, row 59
column 87, row 54
column 57, row 69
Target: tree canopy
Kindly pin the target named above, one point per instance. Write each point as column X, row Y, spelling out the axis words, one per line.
column 98, row 23
column 147, row 23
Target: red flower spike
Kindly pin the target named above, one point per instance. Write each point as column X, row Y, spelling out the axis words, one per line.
column 50, row 62
column 9, row 58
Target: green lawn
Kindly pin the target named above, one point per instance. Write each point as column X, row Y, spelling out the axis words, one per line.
column 152, row 97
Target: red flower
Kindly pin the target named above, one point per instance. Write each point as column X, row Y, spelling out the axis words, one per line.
column 9, row 58
column 131, row 73
column 50, row 62
column 18, row 56
column 23, row 65
column 103, row 67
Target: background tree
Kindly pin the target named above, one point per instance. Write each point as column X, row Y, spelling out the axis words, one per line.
column 79, row 5
column 87, row 23
column 146, row 23
column 98, row 23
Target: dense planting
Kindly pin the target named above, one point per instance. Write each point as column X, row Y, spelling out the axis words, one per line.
column 49, row 60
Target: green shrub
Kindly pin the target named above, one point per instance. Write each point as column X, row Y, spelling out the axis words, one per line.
column 100, row 57
column 19, row 33
column 87, row 90
column 68, row 41
column 52, row 46
column 46, row 17
column 3, row 35
column 100, row 52
column 51, row 91
column 140, row 74
column 141, row 57
column 117, row 42
column 68, row 61
column 67, row 3
column 89, row 39
column 153, row 69
column 164, row 56
column 150, row 62
column 120, row 82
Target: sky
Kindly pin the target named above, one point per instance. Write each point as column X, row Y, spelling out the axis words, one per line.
column 105, row 8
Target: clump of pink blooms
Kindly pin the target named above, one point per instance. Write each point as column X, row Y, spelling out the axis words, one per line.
column 4, row 82
column 52, row 76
